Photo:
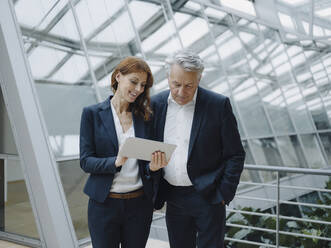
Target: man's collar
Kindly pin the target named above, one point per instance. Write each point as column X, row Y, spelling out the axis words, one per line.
column 170, row 98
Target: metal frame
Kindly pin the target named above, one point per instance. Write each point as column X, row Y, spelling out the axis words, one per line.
column 44, row 38
column 277, row 201
column 88, row 60
column 19, row 239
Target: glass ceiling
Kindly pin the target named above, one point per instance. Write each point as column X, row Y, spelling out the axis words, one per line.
column 113, row 26
column 275, row 58
column 271, row 58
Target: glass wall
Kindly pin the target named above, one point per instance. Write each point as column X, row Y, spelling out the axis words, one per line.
column 278, row 81
column 18, row 215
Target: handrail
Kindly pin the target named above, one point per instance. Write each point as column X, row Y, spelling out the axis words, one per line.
column 286, row 186
column 321, row 172
column 278, row 201
column 276, row 184
column 325, row 172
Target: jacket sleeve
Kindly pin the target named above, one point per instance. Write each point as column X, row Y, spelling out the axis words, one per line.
column 88, row 160
column 233, row 155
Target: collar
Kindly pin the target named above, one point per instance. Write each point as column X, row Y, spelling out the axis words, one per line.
column 193, row 101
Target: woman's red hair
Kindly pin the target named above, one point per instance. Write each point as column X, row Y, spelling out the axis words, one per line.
column 132, row 64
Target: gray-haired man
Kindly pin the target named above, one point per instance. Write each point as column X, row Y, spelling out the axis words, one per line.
column 203, row 173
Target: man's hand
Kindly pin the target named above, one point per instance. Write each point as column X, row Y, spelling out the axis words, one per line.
column 158, row 161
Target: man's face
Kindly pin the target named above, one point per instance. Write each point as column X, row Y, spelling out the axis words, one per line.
column 183, row 84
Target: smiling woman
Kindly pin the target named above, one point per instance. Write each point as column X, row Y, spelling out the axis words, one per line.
column 120, row 189
column 131, row 80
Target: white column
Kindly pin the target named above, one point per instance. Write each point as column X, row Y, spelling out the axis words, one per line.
column 38, row 164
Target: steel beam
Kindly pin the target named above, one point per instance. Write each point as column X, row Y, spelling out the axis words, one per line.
column 39, row 167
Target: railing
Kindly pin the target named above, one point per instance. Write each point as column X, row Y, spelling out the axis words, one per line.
column 243, row 195
column 277, row 202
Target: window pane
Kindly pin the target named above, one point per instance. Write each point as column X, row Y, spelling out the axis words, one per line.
column 326, row 142
column 288, row 152
column 19, row 218
column 276, row 106
column 250, row 108
column 62, row 107
column 297, row 108
column 73, row 181
column 312, row 151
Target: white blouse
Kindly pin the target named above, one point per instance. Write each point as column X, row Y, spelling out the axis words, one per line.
column 127, row 179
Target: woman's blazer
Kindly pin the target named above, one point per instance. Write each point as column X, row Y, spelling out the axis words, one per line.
column 99, row 148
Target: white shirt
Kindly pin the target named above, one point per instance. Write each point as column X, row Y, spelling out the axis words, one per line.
column 177, row 131
column 127, row 179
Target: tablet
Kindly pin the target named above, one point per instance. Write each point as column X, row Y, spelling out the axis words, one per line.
column 143, row 148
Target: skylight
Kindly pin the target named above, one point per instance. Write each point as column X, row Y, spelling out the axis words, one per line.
column 142, row 11
column 181, row 18
column 92, row 13
column 169, row 47
column 66, row 27
column 52, row 13
column 188, row 37
column 50, row 57
column 324, row 12
column 272, row 96
column 193, row 6
column 209, row 54
column 230, row 47
column 221, row 88
column 72, row 70
column 119, row 31
column 299, row 59
column 245, row 94
column 31, row 12
column 166, row 31
column 215, row 13
column 306, row 26
column 241, row 5
column 286, row 20
column 246, row 37
column 294, row 2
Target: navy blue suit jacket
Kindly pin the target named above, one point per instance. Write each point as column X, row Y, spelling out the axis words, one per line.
column 215, row 156
column 99, row 149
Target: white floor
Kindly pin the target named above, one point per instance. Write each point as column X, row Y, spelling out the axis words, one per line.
column 152, row 243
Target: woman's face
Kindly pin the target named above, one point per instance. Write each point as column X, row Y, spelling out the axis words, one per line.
column 131, row 85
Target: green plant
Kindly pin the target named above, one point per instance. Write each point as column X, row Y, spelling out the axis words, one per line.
column 300, row 227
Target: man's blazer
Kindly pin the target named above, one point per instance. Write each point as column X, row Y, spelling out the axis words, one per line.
column 215, row 155
column 99, row 149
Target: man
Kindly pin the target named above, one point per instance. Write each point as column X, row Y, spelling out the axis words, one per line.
column 204, row 171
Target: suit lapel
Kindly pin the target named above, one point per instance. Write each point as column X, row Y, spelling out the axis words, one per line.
column 163, row 112
column 107, row 118
column 163, row 115
column 197, row 119
column 139, row 126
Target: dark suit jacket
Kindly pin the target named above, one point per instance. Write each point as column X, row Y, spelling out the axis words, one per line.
column 99, row 148
column 215, row 156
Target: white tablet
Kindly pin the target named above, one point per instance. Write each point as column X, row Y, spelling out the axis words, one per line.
column 143, row 148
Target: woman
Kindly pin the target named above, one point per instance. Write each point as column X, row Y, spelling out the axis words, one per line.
column 120, row 189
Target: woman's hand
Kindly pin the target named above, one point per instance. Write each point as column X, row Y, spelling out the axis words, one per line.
column 120, row 161
column 158, row 161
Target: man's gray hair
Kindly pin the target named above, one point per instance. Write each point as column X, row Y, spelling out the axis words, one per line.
column 187, row 59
